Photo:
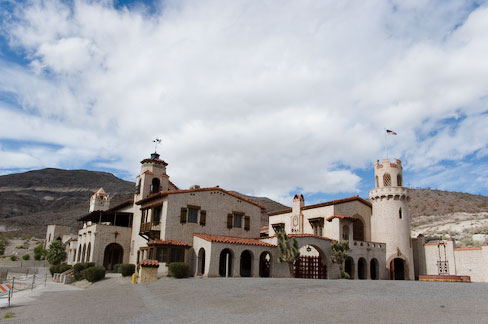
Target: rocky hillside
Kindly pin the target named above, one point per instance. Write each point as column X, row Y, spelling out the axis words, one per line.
column 442, row 214
column 31, row 200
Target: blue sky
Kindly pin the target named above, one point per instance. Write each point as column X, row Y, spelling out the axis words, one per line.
column 263, row 98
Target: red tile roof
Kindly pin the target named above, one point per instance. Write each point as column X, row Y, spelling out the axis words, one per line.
column 149, row 263
column 467, row 249
column 311, row 235
column 305, row 235
column 168, row 242
column 339, row 201
column 172, row 192
column 232, row 240
column 340, row 217
column 123, row 204
column 157, row 161
column 328, row 203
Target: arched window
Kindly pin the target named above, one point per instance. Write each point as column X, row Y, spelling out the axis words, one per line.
column 400, row 213
column 345, row 233
column 387, row 180
column 155, row 185
column 399, row 180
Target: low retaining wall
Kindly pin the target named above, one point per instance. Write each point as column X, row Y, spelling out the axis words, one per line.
column 444, row 278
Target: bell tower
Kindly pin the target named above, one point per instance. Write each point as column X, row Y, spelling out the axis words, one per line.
column 390, row 219
column 152, row 178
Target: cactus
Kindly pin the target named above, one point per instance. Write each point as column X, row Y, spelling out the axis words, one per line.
column 289, row 253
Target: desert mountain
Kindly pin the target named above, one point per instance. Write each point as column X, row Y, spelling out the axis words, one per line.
column 31, row 200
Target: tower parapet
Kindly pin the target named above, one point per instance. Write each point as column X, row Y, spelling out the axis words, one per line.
column 390, row 220
column 99, row 200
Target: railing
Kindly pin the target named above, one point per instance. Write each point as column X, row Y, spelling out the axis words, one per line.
column 146, row 227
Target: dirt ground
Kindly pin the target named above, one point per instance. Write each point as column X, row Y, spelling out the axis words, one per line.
column 256, row 300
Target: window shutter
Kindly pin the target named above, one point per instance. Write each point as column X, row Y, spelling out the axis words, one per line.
column 203, row 217
column 247, row 223
column 183, row 215
column 229, row 220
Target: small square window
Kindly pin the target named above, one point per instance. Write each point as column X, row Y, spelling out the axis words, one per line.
column 237, row 221
column 192, row 215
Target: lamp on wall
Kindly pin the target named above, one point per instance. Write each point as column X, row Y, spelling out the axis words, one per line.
column 309, row 249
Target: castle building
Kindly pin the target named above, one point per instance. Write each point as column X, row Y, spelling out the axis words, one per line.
column 220, row 233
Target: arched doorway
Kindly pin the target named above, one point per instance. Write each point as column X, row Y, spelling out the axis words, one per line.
column 83, row 255
column 113, row 255
column 397, row 269
column 225, row 263
column 79, row 253
column 374, row 269
column 201, row 262
column 362, row 268
column 349, row 267
column 311, row 264
column 246, row 264
column 265, row 265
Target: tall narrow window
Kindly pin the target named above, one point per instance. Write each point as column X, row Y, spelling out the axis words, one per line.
column 247, row 223
column 377, row 185
column 399, row 180
column 229, row 221
column 183, row 215
column 400, row 213
column 203, row 217
column 156, row 215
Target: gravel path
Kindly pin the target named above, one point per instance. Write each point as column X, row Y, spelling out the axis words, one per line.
column 239, row 300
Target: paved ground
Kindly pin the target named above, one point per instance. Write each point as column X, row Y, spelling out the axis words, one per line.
column 253, row 301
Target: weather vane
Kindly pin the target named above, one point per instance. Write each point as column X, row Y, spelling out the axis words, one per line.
column 156, row 142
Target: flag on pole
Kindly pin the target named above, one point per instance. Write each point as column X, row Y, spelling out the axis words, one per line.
column 390, row 132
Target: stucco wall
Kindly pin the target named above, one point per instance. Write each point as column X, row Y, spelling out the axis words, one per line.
column 217, row 205
column 472, row 262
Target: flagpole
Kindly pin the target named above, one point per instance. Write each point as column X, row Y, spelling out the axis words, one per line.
column 386, row 143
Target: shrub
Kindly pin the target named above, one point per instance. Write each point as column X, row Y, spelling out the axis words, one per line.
column 78, row 269
column 127, row 269
column 94, row 274
column 13, row 258
column 39, row 252
column 179, row 270
column 26, row 257
column 53, row 269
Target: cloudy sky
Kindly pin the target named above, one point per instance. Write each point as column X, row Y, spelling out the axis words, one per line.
column 264, row 97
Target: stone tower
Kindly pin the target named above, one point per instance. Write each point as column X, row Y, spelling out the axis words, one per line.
column 390, row 220
column 99, row 200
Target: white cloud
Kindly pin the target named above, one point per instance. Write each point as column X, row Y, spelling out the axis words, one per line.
column 246, row 94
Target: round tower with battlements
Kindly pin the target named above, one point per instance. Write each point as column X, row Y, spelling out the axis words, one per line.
column 390, row 220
